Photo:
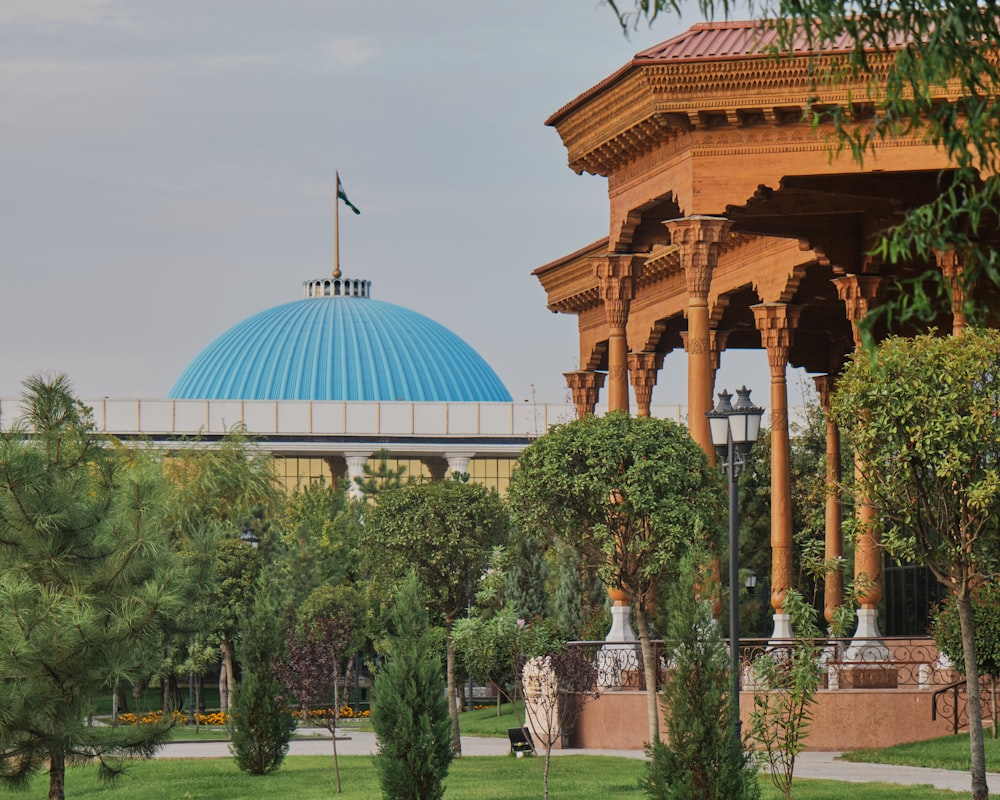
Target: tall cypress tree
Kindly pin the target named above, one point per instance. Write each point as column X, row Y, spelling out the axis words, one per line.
column 701, row 760
column 410, row 709
column 262, row 728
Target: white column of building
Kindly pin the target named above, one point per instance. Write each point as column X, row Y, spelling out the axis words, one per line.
column 458, row 462
column 356, row 461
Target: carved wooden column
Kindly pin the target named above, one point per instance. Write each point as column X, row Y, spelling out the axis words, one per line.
column 586, row 388
column 776, row 321
column 699, row 241
column 617, row 273
column 951, row 264
column 643, row 369
column 833, row 582
column 859, row 293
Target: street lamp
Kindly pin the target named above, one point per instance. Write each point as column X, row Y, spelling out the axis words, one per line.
column 734, row 428
column 249, row 537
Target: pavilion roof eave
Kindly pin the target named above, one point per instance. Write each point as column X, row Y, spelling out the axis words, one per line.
column 732, row 40
column 593, row 249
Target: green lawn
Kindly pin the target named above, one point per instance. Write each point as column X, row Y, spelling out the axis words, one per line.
column 485, row 722
column 948, row 752
column 481, row 778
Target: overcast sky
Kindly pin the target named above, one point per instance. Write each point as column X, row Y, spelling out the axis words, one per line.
column 168, row 170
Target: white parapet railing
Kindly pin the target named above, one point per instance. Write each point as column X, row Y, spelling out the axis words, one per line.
column 324, row 418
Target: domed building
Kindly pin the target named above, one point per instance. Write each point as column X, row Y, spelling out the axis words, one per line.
column 329, row 381
column 338, row 343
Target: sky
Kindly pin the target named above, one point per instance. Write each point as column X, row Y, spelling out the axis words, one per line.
column 168, row 170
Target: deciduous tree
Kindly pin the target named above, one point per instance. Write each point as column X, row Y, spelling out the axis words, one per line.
column 444, row 532
column 327, row 628
column 924, row 418
column 628, row 494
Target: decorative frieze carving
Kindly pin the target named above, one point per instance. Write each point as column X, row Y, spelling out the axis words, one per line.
column 655, row 103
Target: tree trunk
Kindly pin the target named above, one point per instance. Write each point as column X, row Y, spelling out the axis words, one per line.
column 121, row 700
column 226, row 676
column 993, row 705
column 980, row 791
column 649, row 671
column 57, row 775
column 333, row 730
column 197, row 703
column 456, row 734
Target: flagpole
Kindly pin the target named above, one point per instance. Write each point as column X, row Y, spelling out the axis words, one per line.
column 336, row 225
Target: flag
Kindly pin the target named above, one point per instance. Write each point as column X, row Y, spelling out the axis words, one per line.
column 343, row 196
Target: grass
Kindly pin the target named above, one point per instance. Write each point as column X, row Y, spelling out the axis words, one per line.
column 479, row 722
column 485, row 722
column 947, row 752
column 480, row 778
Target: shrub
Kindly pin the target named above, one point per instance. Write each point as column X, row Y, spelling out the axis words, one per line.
column 261, row 727
column 410, row 709
column 703, row 760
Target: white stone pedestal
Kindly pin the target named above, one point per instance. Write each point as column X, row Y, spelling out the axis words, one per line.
column 867, row 647
column 782, row 627
column 619, row 655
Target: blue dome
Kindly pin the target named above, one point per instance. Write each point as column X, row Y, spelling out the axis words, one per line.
column 339, row 348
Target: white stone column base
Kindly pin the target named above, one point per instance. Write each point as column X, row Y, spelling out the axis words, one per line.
column 619, row 655
column 867, row 647
column 782, row 627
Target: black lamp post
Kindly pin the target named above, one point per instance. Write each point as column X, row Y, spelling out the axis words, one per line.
column 250, row 538
column 734, row 430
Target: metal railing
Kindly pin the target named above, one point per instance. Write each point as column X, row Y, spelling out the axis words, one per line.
column 951, row 702
column 886, row 663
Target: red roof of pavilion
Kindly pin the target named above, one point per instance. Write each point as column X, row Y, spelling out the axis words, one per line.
column 714, row 41
column 736, row 38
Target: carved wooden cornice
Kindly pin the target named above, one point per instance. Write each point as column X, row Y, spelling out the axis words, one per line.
column 662, row 262
column 572, row 287
column 731, row 105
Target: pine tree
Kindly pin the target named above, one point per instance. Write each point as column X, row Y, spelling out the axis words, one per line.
column 89, row 585
column 410, row 710
column 261, row 727
column 526, row 579
column 702, row 760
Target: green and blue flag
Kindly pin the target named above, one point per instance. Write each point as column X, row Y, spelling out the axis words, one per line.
column 341, row 194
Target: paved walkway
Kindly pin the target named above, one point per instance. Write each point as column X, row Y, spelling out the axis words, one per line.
column 808, row 765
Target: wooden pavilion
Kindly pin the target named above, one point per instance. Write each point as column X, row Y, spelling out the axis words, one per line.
column 734, row 223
